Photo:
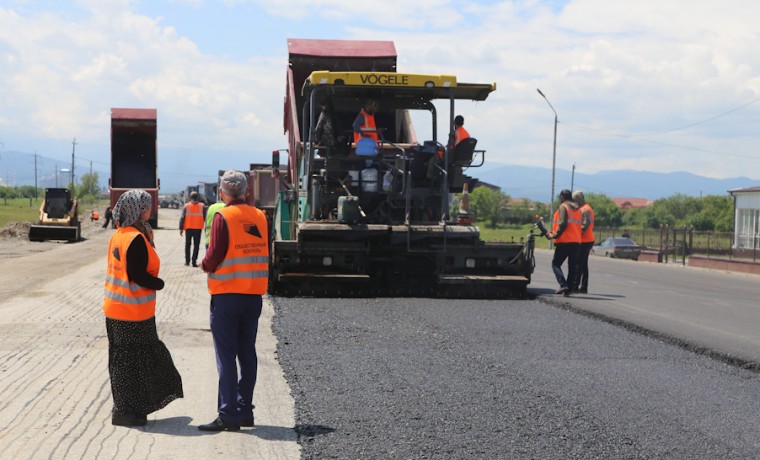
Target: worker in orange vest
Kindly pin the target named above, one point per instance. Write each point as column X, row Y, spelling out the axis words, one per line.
column 191, row 222
column 587, row 242
column 237, row 263
column 364, row 124
column 94, row 216
column 143, row 376
column 460, row 133
column 566, row 233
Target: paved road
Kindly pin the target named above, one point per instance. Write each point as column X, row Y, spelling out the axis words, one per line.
column 55, row 398
column 452, row 379
column 708, row 311
column 421, row 378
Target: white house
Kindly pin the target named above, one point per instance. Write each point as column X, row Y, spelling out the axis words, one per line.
column 746, row 217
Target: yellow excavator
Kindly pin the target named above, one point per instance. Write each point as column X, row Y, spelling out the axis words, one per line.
column 59, row 218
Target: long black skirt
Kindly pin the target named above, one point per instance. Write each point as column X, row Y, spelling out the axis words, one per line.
column 143, row 376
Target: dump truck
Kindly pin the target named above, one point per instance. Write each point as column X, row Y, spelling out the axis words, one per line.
column 372, row 218
column 59, row 217
column 264, row 186
column 134, row 156
column 208, row 191
column 188, row 190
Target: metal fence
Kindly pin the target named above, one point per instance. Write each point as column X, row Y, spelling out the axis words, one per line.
column 675, row 244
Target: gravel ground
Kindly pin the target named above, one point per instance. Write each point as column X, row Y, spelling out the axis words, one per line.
column 424, row 379
column 14, row 238
column 25, row 263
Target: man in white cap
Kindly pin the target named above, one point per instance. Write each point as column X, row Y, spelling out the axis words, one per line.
column 237, row 263
column 587, row 242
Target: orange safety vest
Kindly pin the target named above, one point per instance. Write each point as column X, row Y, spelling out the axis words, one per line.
column 368, row 128
column 193, row 216
column 588, row 235
column 124, row 299
column 460, row 134
column 245, row 268
column 572, row 233
column 95, row 215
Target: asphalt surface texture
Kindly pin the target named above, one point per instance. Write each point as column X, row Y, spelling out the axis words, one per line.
column 458, row 379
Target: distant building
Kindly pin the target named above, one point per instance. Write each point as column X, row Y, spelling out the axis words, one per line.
column 518, row 210
column 631, row 203
column 746, row 217
column 480, row 183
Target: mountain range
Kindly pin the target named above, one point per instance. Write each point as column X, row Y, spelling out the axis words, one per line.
column 533, row 183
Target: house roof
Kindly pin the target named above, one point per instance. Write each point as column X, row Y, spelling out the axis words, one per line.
column 486, row 184
column 745, row 190
column 628, row 203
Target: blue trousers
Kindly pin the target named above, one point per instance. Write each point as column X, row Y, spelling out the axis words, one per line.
column 562, row 252
column 234, row 323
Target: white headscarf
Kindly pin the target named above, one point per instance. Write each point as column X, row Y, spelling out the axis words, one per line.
column 129, row 210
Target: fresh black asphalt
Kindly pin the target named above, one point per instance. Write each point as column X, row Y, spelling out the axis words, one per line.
column 461, row 379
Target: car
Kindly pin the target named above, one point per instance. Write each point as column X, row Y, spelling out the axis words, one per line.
column 618, row 248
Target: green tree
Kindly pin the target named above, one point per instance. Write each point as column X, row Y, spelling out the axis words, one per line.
column 26, row 191
column 722, row 211
column 88, row 189
column 520, row 213
column 88, row 184
column 634, row 217
column 657, row 216
column 486, row 204
column 679, row 207
column 606, row 212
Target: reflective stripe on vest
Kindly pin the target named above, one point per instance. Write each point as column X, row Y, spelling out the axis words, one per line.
column 193, row 216
column 368, row 129
column 124, row 299
column 572, row 232
column 588, row 235
column 245, row 268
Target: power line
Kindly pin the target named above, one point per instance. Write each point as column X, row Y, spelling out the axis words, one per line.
column 636, row 137
column 632, row 137
column 700, row 122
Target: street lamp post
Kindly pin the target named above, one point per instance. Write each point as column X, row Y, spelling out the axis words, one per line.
column 554, row 159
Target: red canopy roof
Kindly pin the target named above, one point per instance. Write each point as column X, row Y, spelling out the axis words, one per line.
column 341, row 48
column 133, row 114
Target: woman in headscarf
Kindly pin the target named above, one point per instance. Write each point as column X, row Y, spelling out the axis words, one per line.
column 143, row 376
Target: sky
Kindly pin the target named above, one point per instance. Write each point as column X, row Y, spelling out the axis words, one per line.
column 659, row 86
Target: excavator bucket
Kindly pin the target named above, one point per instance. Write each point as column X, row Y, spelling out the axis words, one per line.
column 51, row 232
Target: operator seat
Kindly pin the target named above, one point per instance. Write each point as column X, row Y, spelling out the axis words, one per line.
column 56, row 207
column 464, row 151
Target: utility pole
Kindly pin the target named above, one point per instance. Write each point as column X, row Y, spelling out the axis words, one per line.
column 73, row 148
column 554, row 162
column 572, row 179
column 35, row 174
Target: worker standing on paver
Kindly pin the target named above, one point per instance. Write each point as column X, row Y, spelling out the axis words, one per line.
column 191, row 222
column 237, row 263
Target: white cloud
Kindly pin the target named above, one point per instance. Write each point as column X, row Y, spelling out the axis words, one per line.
column 648, row 66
